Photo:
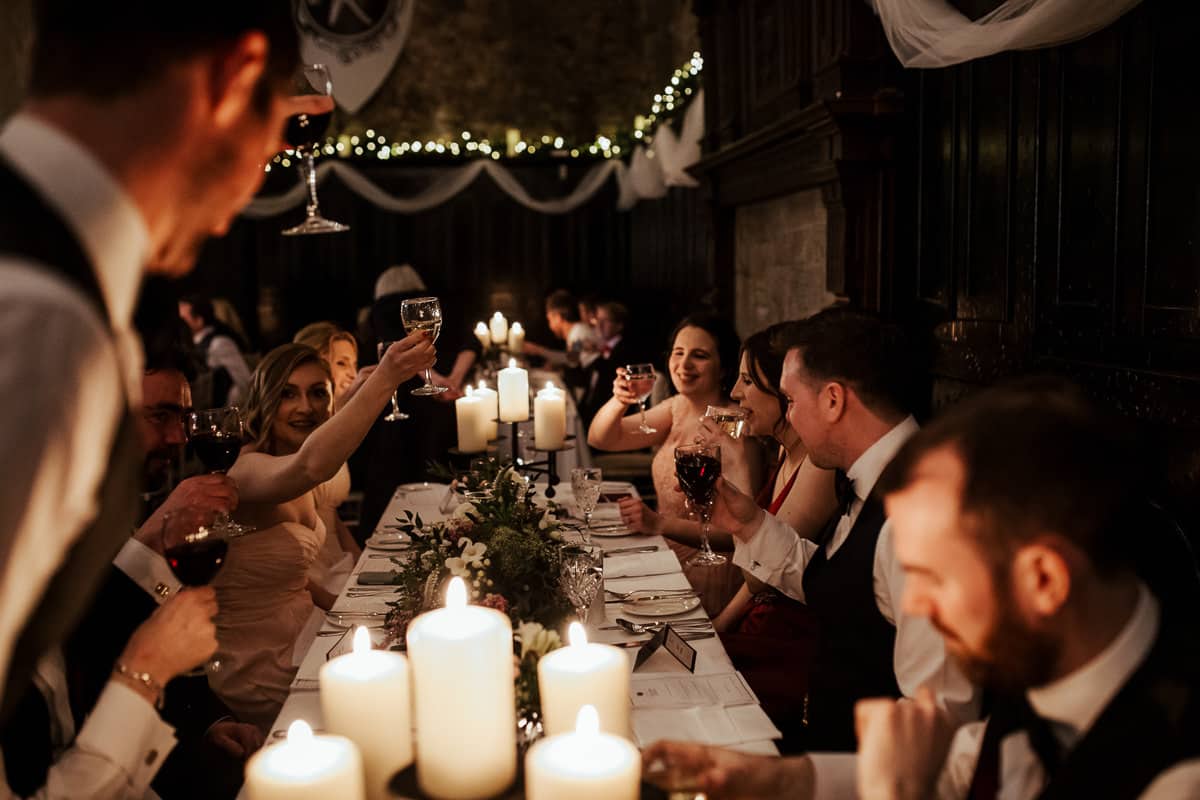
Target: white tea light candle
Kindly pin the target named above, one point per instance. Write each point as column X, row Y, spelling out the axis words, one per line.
column 462, row 662
column 365, row 697
column 584, row 765
column 513, row 383
column 582, row 674
column 468, row 412
column 306, row 767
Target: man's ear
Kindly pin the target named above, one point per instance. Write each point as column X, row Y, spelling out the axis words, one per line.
column 833, row 401
column 234, row 77
column 1041, row 577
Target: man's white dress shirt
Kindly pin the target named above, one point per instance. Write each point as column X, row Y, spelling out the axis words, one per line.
column 63, row 371
column 778, row 557
column 1071, row 705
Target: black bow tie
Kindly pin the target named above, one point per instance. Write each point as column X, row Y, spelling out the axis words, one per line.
column 843, row 487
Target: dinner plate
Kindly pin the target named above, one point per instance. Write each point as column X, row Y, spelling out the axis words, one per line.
column 349, row 619
column 420, row 486
column 610, row 533
column 389, row 541
column 661, row 607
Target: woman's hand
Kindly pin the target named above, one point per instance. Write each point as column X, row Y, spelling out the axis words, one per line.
column 639, row 517
column 409, row 356
column 622, row 391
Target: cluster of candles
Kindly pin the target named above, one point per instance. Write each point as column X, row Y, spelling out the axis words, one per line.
column 497, row 333
column 479, row 409
column 455, row 695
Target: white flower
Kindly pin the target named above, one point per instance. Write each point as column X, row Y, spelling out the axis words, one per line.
column 464, row 509
column 458, row 567
column 534, row 638
column 472, row 552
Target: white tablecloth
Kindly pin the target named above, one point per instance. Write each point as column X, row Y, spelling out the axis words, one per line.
column 303, row 703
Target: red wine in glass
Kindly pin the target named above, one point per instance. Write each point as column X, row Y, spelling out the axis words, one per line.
column 195, row 543
column 197, row 562
column 217, row 450
column 306, row 131
column 698, row 467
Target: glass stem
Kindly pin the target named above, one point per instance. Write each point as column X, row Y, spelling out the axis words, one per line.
column 428, row 377
column 642, row 407
column 587, row 527
column 705, row 526
column 310, row 175
column 395, row 405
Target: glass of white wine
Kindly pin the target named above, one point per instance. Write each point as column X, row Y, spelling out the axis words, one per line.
column 423, row 314
column 730, row 420
column 641, row 379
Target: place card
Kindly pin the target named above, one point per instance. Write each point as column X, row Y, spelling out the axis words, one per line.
column 673, row 643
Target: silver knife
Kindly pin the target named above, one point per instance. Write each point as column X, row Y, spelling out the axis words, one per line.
column 647, row 548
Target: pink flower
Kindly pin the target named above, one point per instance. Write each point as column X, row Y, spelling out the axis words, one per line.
column 492, row 600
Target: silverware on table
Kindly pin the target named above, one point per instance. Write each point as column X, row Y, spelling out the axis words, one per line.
column 620, row 551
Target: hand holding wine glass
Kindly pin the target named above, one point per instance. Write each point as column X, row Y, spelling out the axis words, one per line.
column 641, row 378
column 216, row 436
column 305, row 132
column 405, row 358
column 423, row 314
column 195, row 544
column 179, row 634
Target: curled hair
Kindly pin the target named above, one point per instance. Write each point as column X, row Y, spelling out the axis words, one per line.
column 320, row 336
column 724, row 334
column 266, row 388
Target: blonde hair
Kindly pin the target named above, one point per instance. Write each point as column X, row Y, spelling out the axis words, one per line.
column 320, row 336
column 266, row 387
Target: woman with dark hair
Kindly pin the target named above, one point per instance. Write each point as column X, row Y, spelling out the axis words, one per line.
column 702, row 364
column 296, row 445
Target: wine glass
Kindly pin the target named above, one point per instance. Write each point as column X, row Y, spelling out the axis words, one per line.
column 195, row 544
column 396, row 415
column 585, row 485
column 731, row 420
column 641, row 383
column 216, row 437
column 305, row 132
column 423, row 314
column 698, row 466
column 580, row 574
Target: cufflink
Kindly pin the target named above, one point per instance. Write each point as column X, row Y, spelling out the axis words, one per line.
column 162, row 590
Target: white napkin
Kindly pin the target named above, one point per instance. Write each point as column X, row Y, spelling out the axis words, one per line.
column 660, row 562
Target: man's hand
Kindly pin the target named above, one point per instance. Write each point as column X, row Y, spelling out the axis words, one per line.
column 901, row 746
column 736, row 512
column 178, row 636
column 209, row 492
column 238, row 739
column 722, row 773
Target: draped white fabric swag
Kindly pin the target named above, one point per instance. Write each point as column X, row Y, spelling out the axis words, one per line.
column 650, row 172
column 932, row 33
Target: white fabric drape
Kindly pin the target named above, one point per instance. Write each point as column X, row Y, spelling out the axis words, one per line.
column 651, row 171
column 932, row 33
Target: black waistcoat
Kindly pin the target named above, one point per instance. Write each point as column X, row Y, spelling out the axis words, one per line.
column 855, row 643
column 30, row 229
column 1151, row 725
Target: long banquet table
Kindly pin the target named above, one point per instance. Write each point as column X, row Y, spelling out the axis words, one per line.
column 693, row 714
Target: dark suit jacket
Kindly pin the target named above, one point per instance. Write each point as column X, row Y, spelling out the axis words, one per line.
column 602, row 373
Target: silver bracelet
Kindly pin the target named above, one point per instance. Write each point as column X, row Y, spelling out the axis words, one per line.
column 144, row 678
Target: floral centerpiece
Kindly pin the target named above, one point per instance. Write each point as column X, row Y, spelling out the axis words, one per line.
column 506, row 549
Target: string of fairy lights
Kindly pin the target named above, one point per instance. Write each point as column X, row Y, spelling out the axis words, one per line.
column 668, row 103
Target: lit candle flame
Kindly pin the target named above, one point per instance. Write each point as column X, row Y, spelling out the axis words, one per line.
column 497, row 315
column 550, row 385
column 481, row 327
column 362, row 640
column 299, row 733
column 456, row 593
column 512, row 363
column 588, row 721
column 516, row 326
column 482, row 385
column 576, row 635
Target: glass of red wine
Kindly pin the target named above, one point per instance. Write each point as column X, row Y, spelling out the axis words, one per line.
column 195, row 544
column 216, row 437
column 306, row 132
column 641, row 382
column 698, row 466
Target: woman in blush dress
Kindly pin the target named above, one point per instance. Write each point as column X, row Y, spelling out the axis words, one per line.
column 702, row 364
column 265, row 595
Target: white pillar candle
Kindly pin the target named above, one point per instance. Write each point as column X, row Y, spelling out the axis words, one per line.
column 462, row 662
column 306, row 767
column 499, row 329
column 516, row 338
column 365, row 697
column 491, row 411
column 483, row 335
column 513, row 383
column 468, row 411
column 550, row 419
column 582, row 674
column 584, row 765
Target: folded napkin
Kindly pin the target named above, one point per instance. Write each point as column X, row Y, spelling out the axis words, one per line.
column 660, row 562
column 606, row 512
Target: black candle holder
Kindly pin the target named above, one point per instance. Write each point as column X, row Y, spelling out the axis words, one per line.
column 549, row 466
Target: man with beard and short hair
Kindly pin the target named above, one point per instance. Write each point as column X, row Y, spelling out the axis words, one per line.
column 1017, row 517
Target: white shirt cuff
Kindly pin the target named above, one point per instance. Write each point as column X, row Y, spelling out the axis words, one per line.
column 127, row 731
column 835, row 775
column 147, row 569
column 765, row 553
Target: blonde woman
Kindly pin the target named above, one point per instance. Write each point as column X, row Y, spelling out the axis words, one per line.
column 340, row 351
column 295, row 446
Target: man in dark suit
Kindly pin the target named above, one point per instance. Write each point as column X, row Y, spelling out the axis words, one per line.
column 616, row 350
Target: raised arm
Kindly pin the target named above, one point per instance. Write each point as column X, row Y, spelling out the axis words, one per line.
column 263, row 478
column 613, row 431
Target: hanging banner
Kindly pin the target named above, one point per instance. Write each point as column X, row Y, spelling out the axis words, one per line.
column 358, row 40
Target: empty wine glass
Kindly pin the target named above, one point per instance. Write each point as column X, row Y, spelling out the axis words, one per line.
column 195, row 544
column 423, row 314
column 641, row 382
column 304, row 132
column 216, row 436
column 397, row 415
column 585, row 485
column 580, row 574
column 698, row 466
column 731, row 420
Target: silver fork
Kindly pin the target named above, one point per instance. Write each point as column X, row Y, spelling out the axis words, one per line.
column 622, row 596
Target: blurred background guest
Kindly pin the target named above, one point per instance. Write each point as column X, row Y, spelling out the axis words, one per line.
column 220, row 348
column 581, row 341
